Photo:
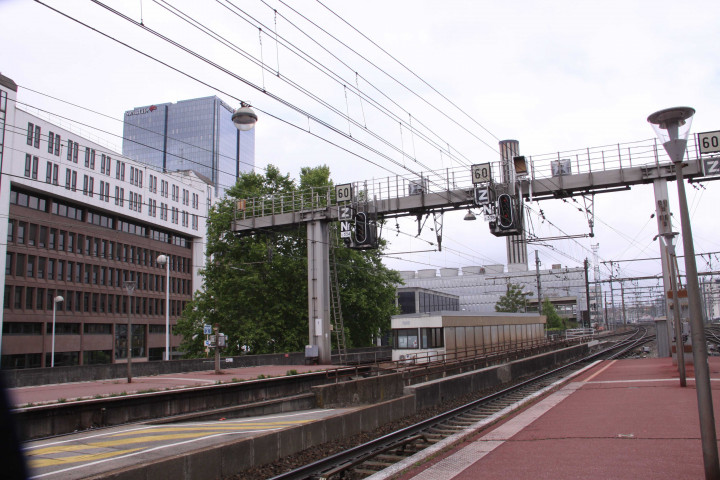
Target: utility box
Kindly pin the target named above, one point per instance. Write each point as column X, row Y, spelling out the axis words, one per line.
column 311, row 354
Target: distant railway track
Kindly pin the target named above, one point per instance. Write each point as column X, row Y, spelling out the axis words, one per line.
column 373, row 456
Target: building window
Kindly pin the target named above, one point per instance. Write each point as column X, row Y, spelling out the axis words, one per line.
column 51, row 142
column 37, row 136
column 69, row 150
column 48, row 172
column 57, row 145
column 30, row 133
column 105, row 164
column 431, row 338
column 85, row 184
column 21, row 232
column 28, row 164
column 73, row 185
column 194, row 222
column 195, row 201
column 405, row 338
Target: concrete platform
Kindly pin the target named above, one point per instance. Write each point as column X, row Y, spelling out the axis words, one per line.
column 41, row 394
column 624, row 419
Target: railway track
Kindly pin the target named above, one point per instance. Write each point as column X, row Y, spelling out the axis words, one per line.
column 376, row 455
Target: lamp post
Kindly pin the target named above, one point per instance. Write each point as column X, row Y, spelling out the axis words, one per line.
column 672, row 126
column 668, row 240
column 244, row 117
column 164, row 260
column 129, row 287
column 56, row 300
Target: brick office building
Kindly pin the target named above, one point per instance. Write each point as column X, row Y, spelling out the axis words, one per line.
column 81, row 222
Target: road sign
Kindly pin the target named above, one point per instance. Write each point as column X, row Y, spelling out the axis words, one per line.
column 481, row 173
column 482, row 196
column 207, row 329
column 709, row 142
column 711, row 166
column 343, row 192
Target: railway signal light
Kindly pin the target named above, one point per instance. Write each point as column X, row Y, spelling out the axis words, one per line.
column 505, row 211
column 365, row 232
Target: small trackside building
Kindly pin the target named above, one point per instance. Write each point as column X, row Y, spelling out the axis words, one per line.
column 450, row 334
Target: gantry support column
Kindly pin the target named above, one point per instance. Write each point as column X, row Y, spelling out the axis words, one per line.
column 516, row 245
column 662, row 214
column 318, row 251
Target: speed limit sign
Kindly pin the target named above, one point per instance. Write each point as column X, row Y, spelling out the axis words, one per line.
column 709, row 142
column 481, row 173
column 343, row 192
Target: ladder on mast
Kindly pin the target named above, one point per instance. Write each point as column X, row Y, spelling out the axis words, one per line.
column 335, row 306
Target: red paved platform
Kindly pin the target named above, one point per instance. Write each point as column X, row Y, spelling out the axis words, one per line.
column 68, row 391
column 625, row 419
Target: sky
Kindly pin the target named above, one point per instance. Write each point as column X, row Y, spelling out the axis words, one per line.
column 435, row 77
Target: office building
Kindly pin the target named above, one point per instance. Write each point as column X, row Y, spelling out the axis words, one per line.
column 195, row 134
column 82, row 221
column 479, row 288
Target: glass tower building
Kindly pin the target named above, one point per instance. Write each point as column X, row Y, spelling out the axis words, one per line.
column 196, row 134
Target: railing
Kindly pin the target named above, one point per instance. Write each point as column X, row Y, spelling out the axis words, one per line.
column 643, row 153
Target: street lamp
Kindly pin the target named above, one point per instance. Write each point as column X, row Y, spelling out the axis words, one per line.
column 469, row 216
column 672, row 126
column 129, row 287
column 244, row 117
column 56, row 300
column 164, row 260
column 668, row 239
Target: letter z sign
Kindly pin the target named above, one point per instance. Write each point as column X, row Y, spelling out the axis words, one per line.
column 711, row 166
column 482, row 196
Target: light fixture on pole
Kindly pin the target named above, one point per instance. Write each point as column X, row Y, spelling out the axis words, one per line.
column 469, row 216
column 672, row 126
column 130, row 288
column 164, row 260
column 668, row 239
column 244, row 117
column 56, row 300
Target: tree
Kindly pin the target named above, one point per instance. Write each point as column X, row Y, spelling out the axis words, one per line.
column 514, row 300
column 255, row 285
column 554, row 321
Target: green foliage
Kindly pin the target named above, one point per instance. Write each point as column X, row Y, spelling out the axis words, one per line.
column 291, row 372
column 554, row 321
column 255, row 286
column 514, row 300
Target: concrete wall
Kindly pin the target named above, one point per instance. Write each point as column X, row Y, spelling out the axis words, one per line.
column 437, row 391
column 88, row 373
column 56, row 419
column 359, row 392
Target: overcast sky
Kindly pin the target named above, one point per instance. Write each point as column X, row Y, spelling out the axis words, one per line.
column 555, row 75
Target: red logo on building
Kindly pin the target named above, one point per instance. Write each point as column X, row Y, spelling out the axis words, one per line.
column 153, row 108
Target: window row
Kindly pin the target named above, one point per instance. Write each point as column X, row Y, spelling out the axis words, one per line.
column 67, row 328
column 24, row 233
column 80, row 213
column 31, row 298
column 136, row 174
column 30, row 266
